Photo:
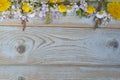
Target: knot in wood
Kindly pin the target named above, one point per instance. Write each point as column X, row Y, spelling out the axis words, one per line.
column 21, row 78
column 114, row 44
column 21, row 49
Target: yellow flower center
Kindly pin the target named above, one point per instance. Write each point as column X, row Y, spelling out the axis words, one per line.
column 69, row 7
column 100, row 13
column 62, row 8
column 16, row 10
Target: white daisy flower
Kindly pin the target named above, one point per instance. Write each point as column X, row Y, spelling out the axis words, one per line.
column 31, row 14
column 75, row 7
column 101, row 14
column 83, row 5
column 1, row 18
column 70, row 10
column 6, row 14
column 22, row 17
column 106, row 19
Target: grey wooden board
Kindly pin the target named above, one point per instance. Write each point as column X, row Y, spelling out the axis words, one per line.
column 48, row 45
column 47, row 53
column 64, row 21
column 59, row 73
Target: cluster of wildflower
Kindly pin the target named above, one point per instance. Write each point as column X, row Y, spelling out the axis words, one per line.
column 54, row 9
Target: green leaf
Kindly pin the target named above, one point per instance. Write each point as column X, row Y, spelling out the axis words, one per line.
column 48, row 18
column 79, row 13
column 66, row 2
column 64, row 13
column 105, row 5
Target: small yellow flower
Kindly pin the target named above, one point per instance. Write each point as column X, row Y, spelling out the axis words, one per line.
column 91, row 9
column 52, row 1
column 113, row 8
column 4, row 5
column 69, row 7
column 56, row 1
column 62, row 8
column 26, row 7
column 59, row 1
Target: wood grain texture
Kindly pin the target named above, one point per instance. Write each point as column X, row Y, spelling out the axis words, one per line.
column 67, row 22
column 58, row 73
column 59, row 46
column 49, row 53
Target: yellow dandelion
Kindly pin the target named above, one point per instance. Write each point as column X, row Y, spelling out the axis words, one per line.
column 52, row 1
column 113, row 8
column 62, row 8
column 91, row 9
column 26, row 7
column 4, row 5
column 56, row 1
column 59, row 1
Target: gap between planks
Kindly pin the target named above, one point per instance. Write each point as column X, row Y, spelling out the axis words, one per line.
column 68, row 25
column 65, row 65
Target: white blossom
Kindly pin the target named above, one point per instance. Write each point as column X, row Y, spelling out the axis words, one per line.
column 75, row 7
column 83, row 5
column 101, row 14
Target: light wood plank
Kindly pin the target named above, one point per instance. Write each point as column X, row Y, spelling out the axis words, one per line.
column 58, row 73
column 68, row 22
column 67, row 46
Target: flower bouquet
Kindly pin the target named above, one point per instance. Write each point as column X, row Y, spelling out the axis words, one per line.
column 47, row 10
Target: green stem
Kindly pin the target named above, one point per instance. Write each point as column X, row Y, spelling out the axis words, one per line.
column 99, row 8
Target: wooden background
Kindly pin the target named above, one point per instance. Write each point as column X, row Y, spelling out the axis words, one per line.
column 56, row 53
column 64, row 50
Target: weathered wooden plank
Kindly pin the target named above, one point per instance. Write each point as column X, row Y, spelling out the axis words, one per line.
column 67, row 46
column 58, row 73
column 68, row 22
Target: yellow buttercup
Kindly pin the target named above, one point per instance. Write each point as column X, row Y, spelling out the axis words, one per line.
column 113, row 8
column 56, row 1
column 26, row 7
column 59, row 1
column 4, row 5
column 90, row 9
column 62, row 8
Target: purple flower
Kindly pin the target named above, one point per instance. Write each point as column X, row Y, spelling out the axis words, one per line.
column 83, row 5
column 42, row 14
column 43, row 11
column 55, row 14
